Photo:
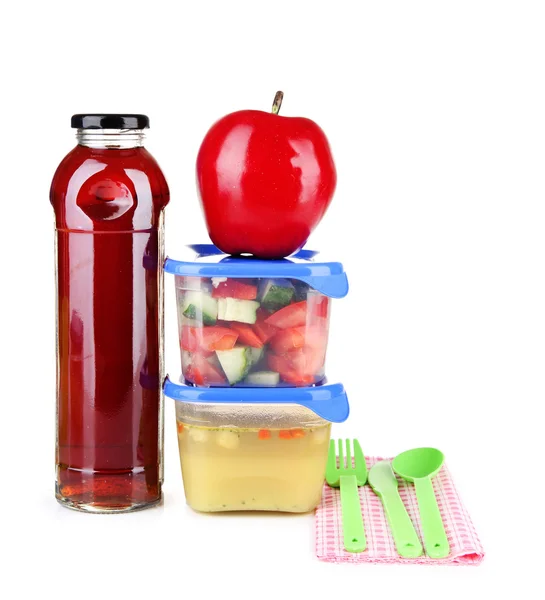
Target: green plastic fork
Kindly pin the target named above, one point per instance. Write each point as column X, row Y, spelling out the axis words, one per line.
column 348, row 477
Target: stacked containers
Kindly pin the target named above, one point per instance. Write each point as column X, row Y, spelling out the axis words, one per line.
column 254, row 409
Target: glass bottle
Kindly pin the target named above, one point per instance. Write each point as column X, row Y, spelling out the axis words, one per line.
column 109, row 195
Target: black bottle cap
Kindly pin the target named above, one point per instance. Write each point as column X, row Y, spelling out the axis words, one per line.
column 109, row 121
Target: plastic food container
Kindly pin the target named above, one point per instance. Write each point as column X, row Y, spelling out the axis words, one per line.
column 255, row 449
column 258, row 323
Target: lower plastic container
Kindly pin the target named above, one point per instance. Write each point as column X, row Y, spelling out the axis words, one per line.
column 255, row 449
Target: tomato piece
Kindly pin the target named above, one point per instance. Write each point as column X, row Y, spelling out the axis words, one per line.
column 315, row 360
column 293, row 315
column 296, row 378
column 188, row 339
column 235, row 289
column 306, row 360
column 207, row 339
column 318, row 305
column 206, row 372
column 218, row 338
column 196, row 376
column 287, row 339
column 316, row 334
column 291, row 367
column 247, row 335
column 263, row 330
column 297, row 361
column 280, row 364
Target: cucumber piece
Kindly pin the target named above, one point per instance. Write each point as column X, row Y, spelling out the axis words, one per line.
column 201, row 307
column 256, row 355
column 301, row 290
column 235, row 363
column 265, row 378
column 275, row 293
column 232, row 309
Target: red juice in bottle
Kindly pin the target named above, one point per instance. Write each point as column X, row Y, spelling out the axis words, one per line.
column 109, row 195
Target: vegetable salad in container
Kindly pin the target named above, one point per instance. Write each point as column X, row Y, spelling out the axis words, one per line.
column 255, row 323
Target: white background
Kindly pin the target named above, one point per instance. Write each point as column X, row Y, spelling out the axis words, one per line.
column 436, row 115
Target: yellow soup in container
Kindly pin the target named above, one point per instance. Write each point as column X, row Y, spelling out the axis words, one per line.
column 244, row 456
column 245, row 449
column 253, row 469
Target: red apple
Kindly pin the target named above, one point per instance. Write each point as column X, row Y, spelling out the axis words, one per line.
column 265, row 181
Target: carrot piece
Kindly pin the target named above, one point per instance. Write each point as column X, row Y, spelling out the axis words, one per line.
column 180, row 427
column 297, row 433
column 263, row 434
column 284, row 434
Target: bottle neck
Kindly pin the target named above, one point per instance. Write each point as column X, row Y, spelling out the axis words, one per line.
column 110, row 138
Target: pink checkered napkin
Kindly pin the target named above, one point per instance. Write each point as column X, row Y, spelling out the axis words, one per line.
column 465, row 546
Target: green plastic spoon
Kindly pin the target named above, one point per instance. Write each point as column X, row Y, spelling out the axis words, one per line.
column 384, row 484
column 419, row 466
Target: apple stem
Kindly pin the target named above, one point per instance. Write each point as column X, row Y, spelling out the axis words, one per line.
column 277, row 102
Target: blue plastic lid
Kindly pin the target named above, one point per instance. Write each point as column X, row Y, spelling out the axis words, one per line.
column 329, row 402
column 328, row 278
